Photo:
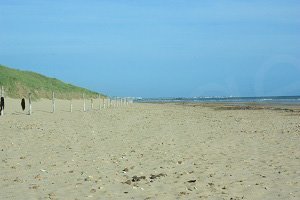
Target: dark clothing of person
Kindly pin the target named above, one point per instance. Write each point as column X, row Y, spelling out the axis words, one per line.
column 23, row 104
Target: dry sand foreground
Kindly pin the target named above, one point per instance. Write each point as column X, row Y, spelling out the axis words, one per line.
column 149, row 151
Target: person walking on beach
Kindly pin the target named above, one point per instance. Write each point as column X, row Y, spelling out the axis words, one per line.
column 23, row 104
column 1, row 105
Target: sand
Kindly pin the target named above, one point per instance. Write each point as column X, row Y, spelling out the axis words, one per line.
column 149, row 151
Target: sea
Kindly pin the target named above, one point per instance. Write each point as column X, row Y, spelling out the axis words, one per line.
column 266, row 100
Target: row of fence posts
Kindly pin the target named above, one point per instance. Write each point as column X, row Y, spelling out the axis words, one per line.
column 103, row 102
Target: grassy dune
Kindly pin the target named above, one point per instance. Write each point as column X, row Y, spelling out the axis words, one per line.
column 19, row 83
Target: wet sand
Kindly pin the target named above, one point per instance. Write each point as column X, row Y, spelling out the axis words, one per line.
column 149, row 151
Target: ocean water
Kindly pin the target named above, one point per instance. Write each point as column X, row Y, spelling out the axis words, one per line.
column 269, row 100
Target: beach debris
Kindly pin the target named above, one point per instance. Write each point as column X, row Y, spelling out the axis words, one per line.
column 22, row 157
column 136, row 178
column 38, row 177
column 128, row 182
column 263, row 176
column 34, row 186
column 51, row 195
column 125, row 170
column 93, row 190
column 183, row 193
column 18, row 180
column 89, row 178
column 179, row 162
column 157, row 176
column 192, row 181
column 237, row 198
column 43, row 170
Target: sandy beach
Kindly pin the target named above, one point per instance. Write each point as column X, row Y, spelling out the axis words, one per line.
column 149, row 151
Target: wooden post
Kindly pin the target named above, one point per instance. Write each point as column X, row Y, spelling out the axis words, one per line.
column 53, row 103
column 92, row 104
column 2, row 91
column 99, row 101
column 30, row 107
column 2, row 95
column 83, row 102
column 71, row 106
column 104, row 105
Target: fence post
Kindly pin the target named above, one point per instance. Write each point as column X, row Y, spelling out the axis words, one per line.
column 71, row 106
column 30, row 107
column 99, row 101
column 92, row 104
column 2, row 95
column 83, row 102
column 53, row 102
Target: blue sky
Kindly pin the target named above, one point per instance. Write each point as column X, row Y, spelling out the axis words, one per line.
column 157, row 48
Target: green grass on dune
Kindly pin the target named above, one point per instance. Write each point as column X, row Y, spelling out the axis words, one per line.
column 19, row 83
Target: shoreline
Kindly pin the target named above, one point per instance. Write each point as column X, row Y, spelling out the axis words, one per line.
column 235, row 105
